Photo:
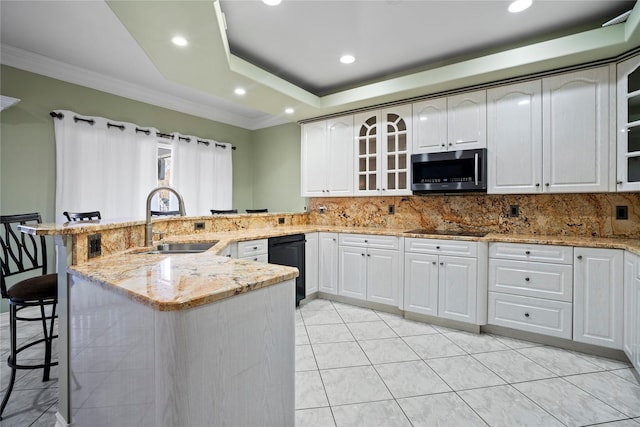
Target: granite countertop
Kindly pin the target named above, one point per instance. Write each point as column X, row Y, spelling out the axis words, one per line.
column 168, row 282
column 175, row 282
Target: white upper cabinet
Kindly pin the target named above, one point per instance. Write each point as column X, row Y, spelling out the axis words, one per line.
column 628, row 129
column 382, row 152
column 551, row 135
column 327, row 158
column 430, row 126
column 457, row 122
column 467, row 120
column 514, row 131
column 575, row 132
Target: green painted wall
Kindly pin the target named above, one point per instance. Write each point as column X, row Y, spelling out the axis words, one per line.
column 27, row 142
column 276, row 178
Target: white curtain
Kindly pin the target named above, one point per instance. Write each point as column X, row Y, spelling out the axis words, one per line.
column 202, row 174
column 101, row 167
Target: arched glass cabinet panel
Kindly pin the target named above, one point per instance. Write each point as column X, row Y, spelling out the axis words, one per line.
column 628, row 134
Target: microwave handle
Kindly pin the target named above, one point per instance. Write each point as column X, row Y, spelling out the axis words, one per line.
column 476, row 168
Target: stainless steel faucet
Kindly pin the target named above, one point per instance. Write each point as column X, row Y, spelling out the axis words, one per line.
column 148, row 231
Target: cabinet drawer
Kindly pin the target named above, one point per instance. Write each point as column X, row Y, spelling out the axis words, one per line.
column 441, row 247
column 252, row 247
column 369, row 241
column 528, row 252
column 533, row 279
column 531, row 314
column 258, row 258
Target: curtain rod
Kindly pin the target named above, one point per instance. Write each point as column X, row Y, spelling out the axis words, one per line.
column 145, row 131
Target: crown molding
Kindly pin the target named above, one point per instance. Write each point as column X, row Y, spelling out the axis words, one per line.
column 39, row 64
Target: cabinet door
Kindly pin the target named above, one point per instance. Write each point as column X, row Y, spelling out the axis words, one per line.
column 367, row 146
column 635, row 345
column 396, row 150
column 430, row 126
column 467, row 120
column 597, row 307
column 457, row 293
column 514, row 144
column 628, row 130
column 575, row 131
column 421, row 283
column 311, row 258
column 328, row 263
column 313, row 164
column 352, row 277
column 338, row 169
column 630, row 322
column 384, row 276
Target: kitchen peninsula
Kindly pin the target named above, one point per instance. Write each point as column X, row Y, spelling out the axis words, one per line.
column 172, row 339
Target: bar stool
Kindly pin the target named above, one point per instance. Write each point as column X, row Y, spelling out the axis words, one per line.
column 82, row 216
column 257, row 210
column 164, row 213
column 23, row 253
column 222, row 212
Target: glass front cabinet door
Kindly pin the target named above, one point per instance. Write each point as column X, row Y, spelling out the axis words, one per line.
column 383, row 151
column 628, row 134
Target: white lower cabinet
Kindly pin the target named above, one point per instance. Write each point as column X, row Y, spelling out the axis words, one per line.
column 537, row 315
column 635, row 318
column 328, row 263
column 598, row 290
column 254, row 250
column 631, row 313
column 451, row 287
column 368, row 270
column 457, row 288
column 531, row 288
column 311, row 256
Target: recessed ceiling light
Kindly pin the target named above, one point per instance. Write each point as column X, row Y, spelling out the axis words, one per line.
column 239, row 91
column 519, row 5
column 347, row 59
column 271, row 2
column 179, row 41
column 289, row 110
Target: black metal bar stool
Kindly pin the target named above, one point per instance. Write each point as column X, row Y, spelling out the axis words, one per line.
column 22, row 253
column 82, row 216
column 223, row 211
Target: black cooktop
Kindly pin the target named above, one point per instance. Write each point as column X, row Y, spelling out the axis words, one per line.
column 448, row 232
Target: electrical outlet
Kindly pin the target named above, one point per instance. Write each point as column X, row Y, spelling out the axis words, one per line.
column 280, row 220
column 392, row 209
column 198, row 226
column 94, row 245
column 622, row 212
column 514, row 211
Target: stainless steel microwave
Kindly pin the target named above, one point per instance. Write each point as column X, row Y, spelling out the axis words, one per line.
column 449, row 172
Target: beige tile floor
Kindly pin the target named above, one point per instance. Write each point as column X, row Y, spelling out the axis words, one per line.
column 360, row 367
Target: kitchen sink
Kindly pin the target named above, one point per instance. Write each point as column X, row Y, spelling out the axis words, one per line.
column 181, row 248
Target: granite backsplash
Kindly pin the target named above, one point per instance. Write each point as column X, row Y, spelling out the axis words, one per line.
column 588, row 215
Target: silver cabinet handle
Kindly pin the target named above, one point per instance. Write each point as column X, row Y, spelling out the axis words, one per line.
column 537, row 184
column 368, row 254
column 442, row 263
column 579, row 256
column 526, row 279
column 362, row 254
column 433, row 262
column 527, row 252
column 526, row 314
column 547, row 184
column 437, row 247
column 619, row 182
column 476, row 169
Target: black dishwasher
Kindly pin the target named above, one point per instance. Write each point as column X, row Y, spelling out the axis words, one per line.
column 289, row 250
